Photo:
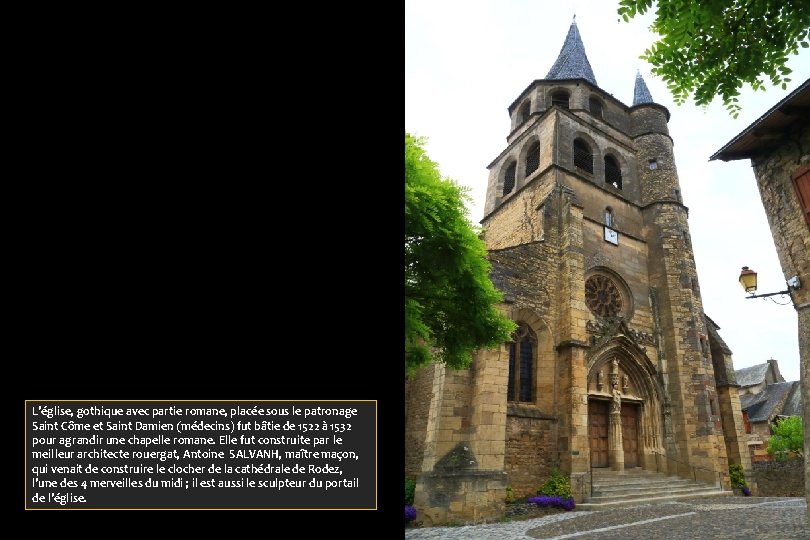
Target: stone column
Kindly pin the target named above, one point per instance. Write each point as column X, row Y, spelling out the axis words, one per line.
column 615, row 446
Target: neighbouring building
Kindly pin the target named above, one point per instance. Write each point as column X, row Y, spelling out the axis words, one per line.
column 614, row 364
column 765, row 398
column 778, row 145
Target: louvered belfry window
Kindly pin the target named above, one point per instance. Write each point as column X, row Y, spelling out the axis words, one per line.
column 521, row 365
column 533, row 158
column 560, row 99
column 613, row 173
column 596, row 107
column 524, row 113
column 509, row 179
column 582, row 156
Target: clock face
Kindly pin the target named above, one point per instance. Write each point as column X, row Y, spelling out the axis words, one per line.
column 611, row 236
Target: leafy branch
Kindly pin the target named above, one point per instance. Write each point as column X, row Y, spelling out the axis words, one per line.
column 710, row 49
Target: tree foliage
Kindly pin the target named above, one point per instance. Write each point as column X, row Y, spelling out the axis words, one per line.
column 449, row 298
column 714, row 48
column 788, row 436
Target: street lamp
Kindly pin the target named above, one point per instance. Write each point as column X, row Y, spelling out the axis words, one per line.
column 748, row 280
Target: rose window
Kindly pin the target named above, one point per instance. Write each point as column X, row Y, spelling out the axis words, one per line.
column 602, row 296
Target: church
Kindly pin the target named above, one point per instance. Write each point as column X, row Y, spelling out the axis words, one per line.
column 614, row 367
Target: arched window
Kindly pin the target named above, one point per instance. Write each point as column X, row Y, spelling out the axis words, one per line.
column 609, row 221
column 595, row 106
column 613, row 173
column 583, row 159
column 522, row 351
column 523, row 114
column 533, row 158
column 560, row 98
column 509, row 179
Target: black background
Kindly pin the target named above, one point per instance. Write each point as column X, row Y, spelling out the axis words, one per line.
column 208, row 208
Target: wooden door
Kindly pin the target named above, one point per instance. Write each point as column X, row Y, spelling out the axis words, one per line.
column 598, row 432
column 630, row 434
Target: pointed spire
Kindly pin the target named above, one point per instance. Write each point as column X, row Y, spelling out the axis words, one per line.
column 641, row 94
column 572, row 63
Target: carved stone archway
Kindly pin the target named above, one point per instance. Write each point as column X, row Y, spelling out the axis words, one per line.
column 623, row 381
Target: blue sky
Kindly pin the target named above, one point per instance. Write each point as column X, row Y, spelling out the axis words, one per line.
column 467, row 60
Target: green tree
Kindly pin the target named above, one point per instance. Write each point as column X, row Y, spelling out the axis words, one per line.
column 450, row 301
column 788, row 436
column 714, row 48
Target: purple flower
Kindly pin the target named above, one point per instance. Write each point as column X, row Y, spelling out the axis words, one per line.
column 410, row 513
column 544, row 501
column 746, row 491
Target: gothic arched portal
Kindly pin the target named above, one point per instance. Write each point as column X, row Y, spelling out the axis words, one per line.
column 624, row 406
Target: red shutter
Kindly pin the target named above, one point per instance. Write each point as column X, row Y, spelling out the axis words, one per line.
column 801, row 181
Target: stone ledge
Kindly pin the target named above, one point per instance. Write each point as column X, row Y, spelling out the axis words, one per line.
column 528, row 411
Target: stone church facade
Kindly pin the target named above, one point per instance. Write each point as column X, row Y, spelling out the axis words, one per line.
column 614, row 363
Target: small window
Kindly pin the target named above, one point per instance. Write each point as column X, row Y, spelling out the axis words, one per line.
column 560, row 99
column 653, row 164
column 521, row 364
column 583, row 159
column 609, row 222
column 533, row 158
column 613, row 173
column 509, row 179
column 595, row 106
column 801, row 182
column 523, row 115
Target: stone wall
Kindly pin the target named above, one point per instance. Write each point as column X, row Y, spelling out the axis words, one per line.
column 792, row 241
column 519, row 220
column 537, row 130
column 780, row 478
column 418, row 390
column 460, row 497
column 529, row 450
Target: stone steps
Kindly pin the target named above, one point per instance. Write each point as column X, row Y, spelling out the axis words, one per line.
column 613, row 489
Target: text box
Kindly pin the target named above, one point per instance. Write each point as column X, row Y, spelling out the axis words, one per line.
column 201, row 454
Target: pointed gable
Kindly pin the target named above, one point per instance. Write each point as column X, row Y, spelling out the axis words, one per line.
column 572, row 63
column 641, row 94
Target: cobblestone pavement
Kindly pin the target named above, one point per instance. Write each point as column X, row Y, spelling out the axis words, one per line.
column 770, row 518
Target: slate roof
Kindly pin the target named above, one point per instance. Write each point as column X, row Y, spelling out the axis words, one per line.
column 641, row 94
column 572, row 62
column 713, row 330
column 793, row 404
column 769, row 403
column 751, row 375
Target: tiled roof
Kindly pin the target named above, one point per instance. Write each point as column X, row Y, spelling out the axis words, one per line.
column 772, row 401
column 751, row 375
column 641, row 94
column 793, row 404
column 713, row 328
column 572, row 62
